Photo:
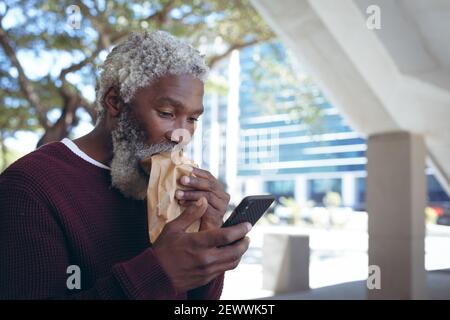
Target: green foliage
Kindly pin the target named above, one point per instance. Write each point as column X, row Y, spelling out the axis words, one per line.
column 332, row 199
column 282, row 87
column 41, row 28
column 294, row 206
column 431, row 215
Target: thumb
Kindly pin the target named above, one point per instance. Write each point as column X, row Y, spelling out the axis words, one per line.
column 189, row 215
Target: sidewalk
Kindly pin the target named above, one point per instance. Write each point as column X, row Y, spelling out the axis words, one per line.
column 337, row 257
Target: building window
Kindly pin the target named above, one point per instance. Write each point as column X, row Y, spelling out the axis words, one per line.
column 435, row 192
column 360, row 194
column 318, row 188
column 281, row 188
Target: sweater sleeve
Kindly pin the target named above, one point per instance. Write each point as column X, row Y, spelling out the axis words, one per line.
column 34, row 259
column 211, row 291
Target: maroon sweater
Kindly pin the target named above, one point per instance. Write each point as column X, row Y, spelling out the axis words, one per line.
column 57, row 210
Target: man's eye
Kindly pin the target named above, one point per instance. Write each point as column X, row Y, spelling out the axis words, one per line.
column 165, row 114
column 193, row 119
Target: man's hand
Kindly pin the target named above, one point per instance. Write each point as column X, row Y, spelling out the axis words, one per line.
column 204, row 184
column 192, row 260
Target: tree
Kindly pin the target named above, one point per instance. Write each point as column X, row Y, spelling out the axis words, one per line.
column 279, row 85
column 50, row 103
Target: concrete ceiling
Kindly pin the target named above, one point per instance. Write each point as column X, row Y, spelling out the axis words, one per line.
column 393, row 78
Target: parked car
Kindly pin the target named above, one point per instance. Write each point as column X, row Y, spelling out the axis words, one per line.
column 443, row 213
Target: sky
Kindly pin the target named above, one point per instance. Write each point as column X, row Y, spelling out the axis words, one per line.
column 46, row 62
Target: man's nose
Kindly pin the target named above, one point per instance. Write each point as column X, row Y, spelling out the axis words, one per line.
column 179, row 135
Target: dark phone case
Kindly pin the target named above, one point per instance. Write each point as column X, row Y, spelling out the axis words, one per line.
column 257, row 207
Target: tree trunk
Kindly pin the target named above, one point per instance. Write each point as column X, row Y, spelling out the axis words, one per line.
column 63, row 125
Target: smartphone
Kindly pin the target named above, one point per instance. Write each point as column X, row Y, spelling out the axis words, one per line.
column 251, row 209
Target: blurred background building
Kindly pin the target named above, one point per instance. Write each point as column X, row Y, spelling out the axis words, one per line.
column 279, row 155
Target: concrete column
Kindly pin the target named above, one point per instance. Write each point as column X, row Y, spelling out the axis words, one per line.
column 348, row 187
column 396, row 197
column 301, row 189
column 214, row 138
column 232, row 133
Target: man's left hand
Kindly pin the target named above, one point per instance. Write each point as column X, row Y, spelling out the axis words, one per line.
column 204, row 184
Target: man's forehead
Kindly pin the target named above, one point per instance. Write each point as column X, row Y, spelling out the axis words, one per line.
column 178, row 103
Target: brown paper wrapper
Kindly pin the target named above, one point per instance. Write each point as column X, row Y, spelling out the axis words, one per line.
column 162, row 206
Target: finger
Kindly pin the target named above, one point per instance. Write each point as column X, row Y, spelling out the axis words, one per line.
column 200, row 183
column 218, row 269
column 189, row 215
column 211, row 211
column 213, row 200
column 214, row 217
column 185, row 203
column 224, row 236
column 228, row 266
column 228, row 257
column 202, row 173
column 232, row 252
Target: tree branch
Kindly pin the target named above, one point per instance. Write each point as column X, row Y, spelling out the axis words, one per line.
column 4, row 14
column 89, row 108
column 98, row 22
column 25, row 84
column 63, row 125
column 77, row 66
column 84, row 9
column 162, row 14
column 235, row 46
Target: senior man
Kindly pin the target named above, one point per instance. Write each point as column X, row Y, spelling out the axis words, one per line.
column 81, row 205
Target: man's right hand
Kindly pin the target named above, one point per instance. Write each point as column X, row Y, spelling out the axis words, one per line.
column 192, row 260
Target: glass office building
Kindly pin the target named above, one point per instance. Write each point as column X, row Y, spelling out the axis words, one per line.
column 280, row 156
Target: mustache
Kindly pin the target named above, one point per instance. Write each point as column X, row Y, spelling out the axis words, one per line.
column 146, row 151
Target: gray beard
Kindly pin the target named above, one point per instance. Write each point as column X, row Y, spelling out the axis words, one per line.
column 129, row 148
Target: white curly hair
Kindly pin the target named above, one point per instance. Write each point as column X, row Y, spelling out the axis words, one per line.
column 142, row 58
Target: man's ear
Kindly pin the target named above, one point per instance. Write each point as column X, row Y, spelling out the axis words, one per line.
column 112, row 102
